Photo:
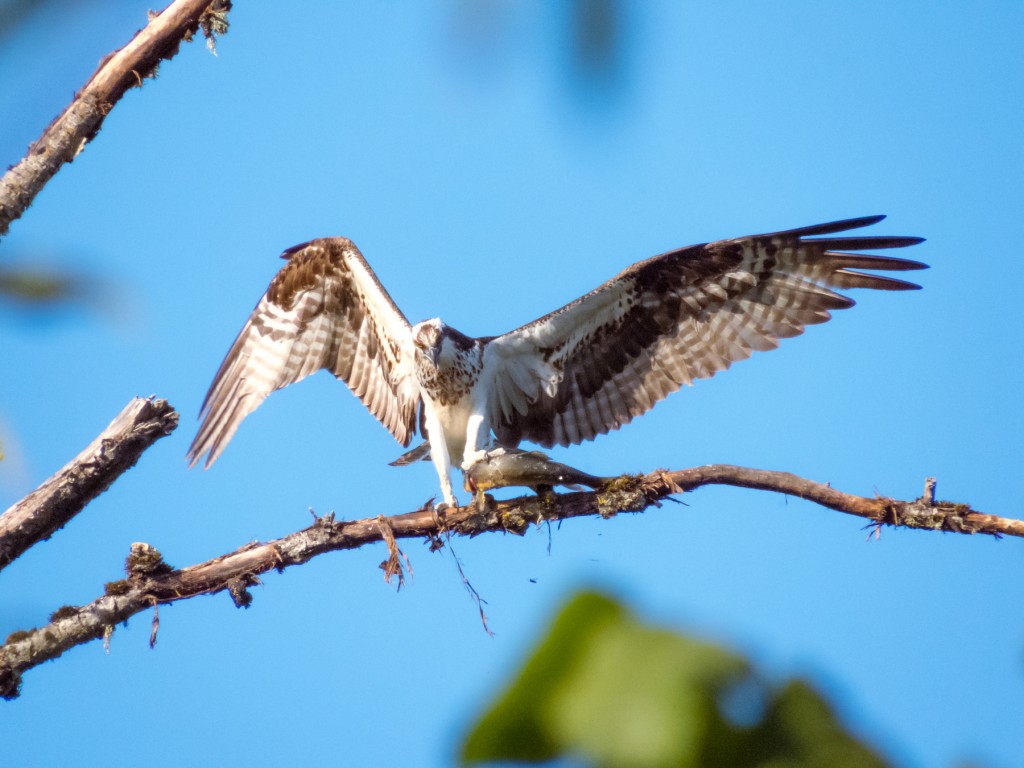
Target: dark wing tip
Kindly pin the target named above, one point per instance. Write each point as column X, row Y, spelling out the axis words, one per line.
column 857, row 222
column 908, row 264
column 832, row 226
column 290, row 252
column 851, row 278
column 892, row 284
column 891, row 241
column 865, row 261
column 901, row 285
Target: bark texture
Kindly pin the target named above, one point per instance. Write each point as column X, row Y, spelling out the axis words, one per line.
column 79, row 123
column 151, row 582
column 49, row 508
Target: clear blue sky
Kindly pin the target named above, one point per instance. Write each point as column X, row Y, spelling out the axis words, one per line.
column 489, row 180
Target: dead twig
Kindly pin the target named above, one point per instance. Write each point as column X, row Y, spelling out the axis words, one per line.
column 122, row 70
column 52, row 505
column 393, row 565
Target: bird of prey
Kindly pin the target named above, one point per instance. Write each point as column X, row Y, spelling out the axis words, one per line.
column 578, row 372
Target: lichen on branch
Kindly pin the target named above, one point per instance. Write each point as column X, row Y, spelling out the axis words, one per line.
column 150, row 582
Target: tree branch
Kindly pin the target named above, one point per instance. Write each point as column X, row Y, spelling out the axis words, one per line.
column 52, row 505
column 924, row 512
column 150, row 581
column 126, row 68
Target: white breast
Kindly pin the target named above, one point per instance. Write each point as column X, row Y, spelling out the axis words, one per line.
column 454, row 419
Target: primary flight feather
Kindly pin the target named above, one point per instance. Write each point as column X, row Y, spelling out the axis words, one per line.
column 583, row 370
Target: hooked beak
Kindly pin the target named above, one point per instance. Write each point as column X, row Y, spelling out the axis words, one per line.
column 429, row 352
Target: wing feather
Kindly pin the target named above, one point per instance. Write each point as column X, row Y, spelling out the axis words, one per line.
column 600, row 361
column 324, row 309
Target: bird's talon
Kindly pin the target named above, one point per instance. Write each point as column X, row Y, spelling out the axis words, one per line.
column 482, row 502
column 469, row 459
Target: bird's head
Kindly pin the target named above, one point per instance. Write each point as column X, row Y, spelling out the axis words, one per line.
column 428, row 338
column 441, row 344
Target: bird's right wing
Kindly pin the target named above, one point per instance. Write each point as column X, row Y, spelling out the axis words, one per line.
column 324, row 309
column 604, row 359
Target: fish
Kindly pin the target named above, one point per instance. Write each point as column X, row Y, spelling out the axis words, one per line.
column 533, row 469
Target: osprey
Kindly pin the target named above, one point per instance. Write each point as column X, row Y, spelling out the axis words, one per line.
column 579, row 372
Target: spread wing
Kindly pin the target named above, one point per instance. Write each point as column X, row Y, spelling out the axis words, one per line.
column 324, row 309
column 602, row 360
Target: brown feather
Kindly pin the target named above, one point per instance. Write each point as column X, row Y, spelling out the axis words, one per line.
column 684, row 315
column 325, row 309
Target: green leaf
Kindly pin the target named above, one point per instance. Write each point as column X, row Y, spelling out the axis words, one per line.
column 800, row 729
column 608, row 690
column 38, row 286
column 605, row 687
column 514, row 728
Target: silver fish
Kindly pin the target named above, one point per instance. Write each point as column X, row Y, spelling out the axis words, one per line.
column 533, row 469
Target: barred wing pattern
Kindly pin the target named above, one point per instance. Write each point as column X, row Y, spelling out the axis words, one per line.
column 604, row 359
column 324, row 309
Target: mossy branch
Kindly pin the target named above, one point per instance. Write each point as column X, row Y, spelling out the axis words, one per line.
column 151, row 582
column 52, row 505
column 126, row 68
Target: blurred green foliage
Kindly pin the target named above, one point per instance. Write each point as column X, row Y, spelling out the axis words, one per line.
column 608, row 690
column 38, row 286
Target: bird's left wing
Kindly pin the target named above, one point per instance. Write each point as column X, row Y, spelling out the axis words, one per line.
column 609, row 356
column 324, row 309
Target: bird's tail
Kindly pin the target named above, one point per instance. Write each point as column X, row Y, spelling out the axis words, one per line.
column 420, row 453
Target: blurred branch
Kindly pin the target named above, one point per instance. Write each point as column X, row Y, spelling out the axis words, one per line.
column 14, row 13
column 126, row 68
column 151, row 582
column 52, row 505
column 596, row 33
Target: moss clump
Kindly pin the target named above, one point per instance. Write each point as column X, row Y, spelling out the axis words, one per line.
column 64, row 612
column 117, row 588
column 623, row 484
column 240, row 596
column 18, row 635
column 621, row 494
column 145, row 560
column 514, row 521
column 10, row 684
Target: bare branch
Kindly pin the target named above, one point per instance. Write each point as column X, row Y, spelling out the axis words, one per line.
column 49, row 508
column 126, row 68
column 151, row 582
column 924, row 513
